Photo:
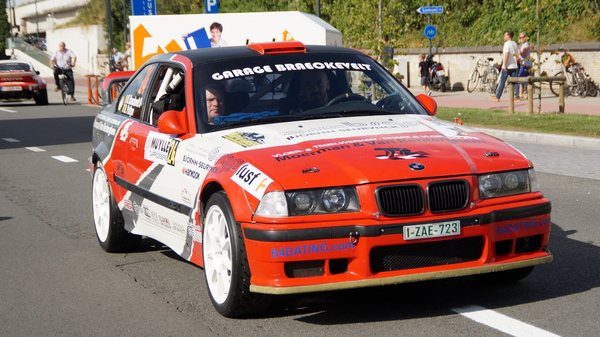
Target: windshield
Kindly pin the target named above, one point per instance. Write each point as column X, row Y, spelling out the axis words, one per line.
column 10, row 67
column 288, row 87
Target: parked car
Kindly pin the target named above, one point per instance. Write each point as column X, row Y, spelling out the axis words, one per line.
column 19, row 81
column 268, row 166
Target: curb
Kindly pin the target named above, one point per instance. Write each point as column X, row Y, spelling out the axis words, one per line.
column 544, row 138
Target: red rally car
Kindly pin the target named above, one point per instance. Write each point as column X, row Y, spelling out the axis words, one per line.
column 282, row 168
column 18, row 81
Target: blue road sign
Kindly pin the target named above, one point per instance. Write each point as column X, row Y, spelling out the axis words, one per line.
column 431, row 10
column 211, row 6
column 143, row 7
column 430, row 31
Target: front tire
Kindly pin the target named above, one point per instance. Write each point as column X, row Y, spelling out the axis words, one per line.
column 108, row 219
column 568, row 88
column 225, row 262
column 472, row 82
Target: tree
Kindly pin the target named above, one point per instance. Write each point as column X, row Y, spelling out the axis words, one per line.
column 4, row 32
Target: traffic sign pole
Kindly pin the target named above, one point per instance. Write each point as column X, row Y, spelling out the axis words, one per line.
column 428, row 11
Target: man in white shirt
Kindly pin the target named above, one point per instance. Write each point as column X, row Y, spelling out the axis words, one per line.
column 63, row 60
column 510, row 67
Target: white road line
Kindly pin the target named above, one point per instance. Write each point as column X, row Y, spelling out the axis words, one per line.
column 65, row 159
column 501, row 322
column 8, row 110
column 11, row 140
column 35, row 149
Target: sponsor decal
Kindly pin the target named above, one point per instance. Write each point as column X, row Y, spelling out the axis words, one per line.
column 521, row 226
column 310, row 249
column 246, row 139
column 125, row 131
column 396, row 153
column 186, row 196
column 252, row 180
column 128, row 205
column 191, row 173
column 195, row 232
column 197, row 163
column 106, row 128
column 228, row 162
column 249, row 71
column 388, row 140
column 161, row 148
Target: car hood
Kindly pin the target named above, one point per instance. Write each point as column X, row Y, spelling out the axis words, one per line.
column 349, row 151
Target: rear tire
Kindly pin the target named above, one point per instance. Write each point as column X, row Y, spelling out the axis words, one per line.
column 42, row 97
column 555, row 86
column 491, row 81
column 592, row 89
column 443, row 87
column 225, row 263
column 108, row 219
column 504, row 277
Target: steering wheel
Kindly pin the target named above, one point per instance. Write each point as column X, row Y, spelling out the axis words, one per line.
column 345, row 98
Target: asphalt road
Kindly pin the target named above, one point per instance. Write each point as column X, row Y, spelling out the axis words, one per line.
column 56, row 281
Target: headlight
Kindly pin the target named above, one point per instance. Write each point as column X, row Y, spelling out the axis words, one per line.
column 309, row 202
column 503, row 184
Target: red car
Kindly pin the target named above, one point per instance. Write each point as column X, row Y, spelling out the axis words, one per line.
column 282, row 168
column 19, row 81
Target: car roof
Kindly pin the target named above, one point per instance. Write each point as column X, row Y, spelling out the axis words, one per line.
column 208, row 55
column 15, row 61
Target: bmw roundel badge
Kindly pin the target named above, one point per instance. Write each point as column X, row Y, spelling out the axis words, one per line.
column 416, row 166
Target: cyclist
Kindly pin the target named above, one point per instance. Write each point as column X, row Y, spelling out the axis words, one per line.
column 63, row 60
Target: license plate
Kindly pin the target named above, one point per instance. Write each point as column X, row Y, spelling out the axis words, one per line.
column 12, row 89
column 434, row 230
column 440, row 73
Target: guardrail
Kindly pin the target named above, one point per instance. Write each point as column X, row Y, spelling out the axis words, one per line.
column 529, row 80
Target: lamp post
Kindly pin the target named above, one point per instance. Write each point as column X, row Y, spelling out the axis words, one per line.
column 37, row 22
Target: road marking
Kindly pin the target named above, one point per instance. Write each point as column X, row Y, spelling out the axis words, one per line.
column 11, row 140
column 35, row 149
column 501, row 322
column 65, row 159
column 8, row 110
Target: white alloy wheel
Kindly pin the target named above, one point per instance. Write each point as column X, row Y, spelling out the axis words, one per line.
column 217, row 254
column 101, row 204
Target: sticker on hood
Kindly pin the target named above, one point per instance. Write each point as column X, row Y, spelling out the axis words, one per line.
column 252, row 180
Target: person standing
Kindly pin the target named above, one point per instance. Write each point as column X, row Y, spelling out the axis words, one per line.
column 424, row 72
column 125, row 60
column 116, row 56
column 510, row 67
column 63, row 60
column 526, row 63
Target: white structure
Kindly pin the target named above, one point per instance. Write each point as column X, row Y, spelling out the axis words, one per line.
column 152, row 35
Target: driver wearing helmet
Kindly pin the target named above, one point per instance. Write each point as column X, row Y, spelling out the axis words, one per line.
column 314, row 86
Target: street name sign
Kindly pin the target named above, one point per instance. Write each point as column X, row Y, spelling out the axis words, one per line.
column 431, row 10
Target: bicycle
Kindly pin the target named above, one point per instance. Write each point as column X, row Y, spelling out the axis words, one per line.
column 484, row 73
column 64, row 88
column 575, row 83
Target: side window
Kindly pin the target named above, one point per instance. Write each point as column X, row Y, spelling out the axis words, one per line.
column 132, row 98
column 167, row 93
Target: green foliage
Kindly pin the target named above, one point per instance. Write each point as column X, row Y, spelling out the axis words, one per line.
column 555, row 123
column 4, row 33
column 463, row 23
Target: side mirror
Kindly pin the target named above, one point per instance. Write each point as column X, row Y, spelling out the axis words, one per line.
column 173, row 122
column 428, row 103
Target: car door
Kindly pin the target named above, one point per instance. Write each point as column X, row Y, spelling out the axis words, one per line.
column 149, row 172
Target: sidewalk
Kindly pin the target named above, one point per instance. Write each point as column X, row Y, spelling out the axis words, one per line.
column 481, row 100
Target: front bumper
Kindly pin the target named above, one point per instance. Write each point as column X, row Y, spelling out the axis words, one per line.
column 298, row 259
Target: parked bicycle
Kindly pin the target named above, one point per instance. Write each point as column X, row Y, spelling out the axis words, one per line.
column 486, row 73
column 575, row 83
